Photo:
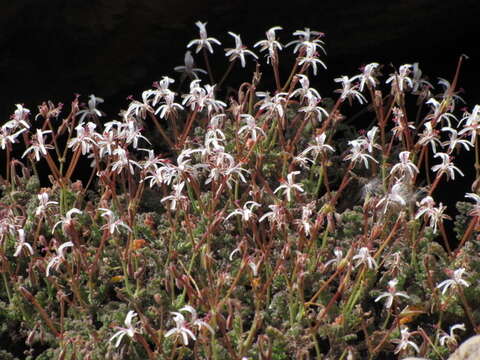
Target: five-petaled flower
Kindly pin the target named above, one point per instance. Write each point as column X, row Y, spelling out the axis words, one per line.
column 349, row 91
column 363, row 257
column 446, row 167
column 435, row 215
column 189, row 69
column 38, row 145
column 450, row 339
column 246, row 212
column 405, row 166
column 180, row 328
column 250, row 127
column 404, row 342
column 129, row 329
column 113, row 222
column 289, row 185
column 43, row 204
column 58, row 259
column 92, row 110
column 176, row 197
column 455, row 282
column 368, row 76
column 22, row 244
column 67, row 221
column 271, row 44
column 391, row 294
column 204, row 42
column 357, row 152
column 239, row 51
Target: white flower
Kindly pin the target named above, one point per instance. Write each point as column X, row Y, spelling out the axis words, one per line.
column 251, row 127
column 349, row 91
column 434, row 215
column 67, row 221
column 476, row 208
column 85, row 137
column 425, row 206
column 92, row 110
column 246, row 212
column 199, row 97
column 277, row 216
column 113, row 223
column 368, row 76
column 7, row 138
column 401, row 79
column 38, row 145
column 189, row 68
column 139, row 109
column 162, row 174
column 451, row 338
column 210, row 101
column 128, row 330
column 312, row 108
column 311, row 57
column 132, row 133
column 43, row 204
column 418, row 81
column 453, row 141
column 22, row 243
column 454, row 282
column 239, row 51
column 176, row 197
column 289, row 185
column 370, row 139
column 404, row 342
column 391, row 294
column 437, row 216
column 439, row 112
column 446, row 166
column 122, row 161
column 183, row 168
column 57, row 260
column 254, row 267
column 195, row 320
column 357, row 152
column 472, row 124
column 271, row 44
column 305, row 39
column 180, row 328
column 168, row 107
column 363, row 257
column 305, row 89
column 405, row 166
column 162, row 90
column 429, row 136
column 336, row 260
column 204, row 41
column 273, row 104
column 303, row 160
column 319, row 147
column 304, row 223
column 19, row 118
column 448, row 91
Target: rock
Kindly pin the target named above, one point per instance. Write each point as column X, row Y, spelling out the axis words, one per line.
column 469, row 350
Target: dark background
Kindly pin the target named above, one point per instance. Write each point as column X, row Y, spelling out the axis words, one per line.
column 116, row 48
